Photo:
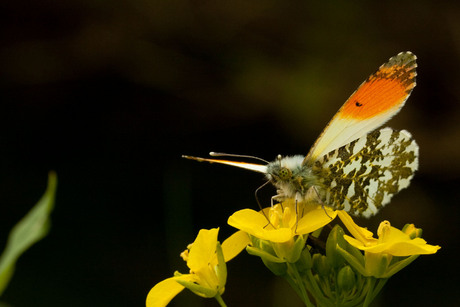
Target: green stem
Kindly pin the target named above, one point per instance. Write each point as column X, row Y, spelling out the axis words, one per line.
column 297, row 280
column 371, row 283
column 363, row 291
column 220, row 300
column 315, row 290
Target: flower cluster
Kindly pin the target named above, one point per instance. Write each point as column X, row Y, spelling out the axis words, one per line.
column 332, row 269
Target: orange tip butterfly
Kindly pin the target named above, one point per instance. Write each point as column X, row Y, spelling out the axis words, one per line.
column 352, row 166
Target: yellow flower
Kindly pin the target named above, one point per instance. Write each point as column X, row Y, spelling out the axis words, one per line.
column 280, row 238
column 391, row 242
column 284, row 222
column 206, row 260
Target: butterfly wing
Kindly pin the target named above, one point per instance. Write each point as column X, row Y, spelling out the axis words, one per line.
column 362, row 176
column 376, row 100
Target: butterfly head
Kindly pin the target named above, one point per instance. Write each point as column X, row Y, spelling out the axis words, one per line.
column 284, row 168
column 290, row 176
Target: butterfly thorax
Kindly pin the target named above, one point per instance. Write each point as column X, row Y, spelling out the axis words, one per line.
column 291, row 177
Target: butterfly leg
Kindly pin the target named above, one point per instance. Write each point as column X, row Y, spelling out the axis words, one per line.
column 280, row 197
column 298, row 197
column 318, row 199
column 272, row 200
column 313, row 197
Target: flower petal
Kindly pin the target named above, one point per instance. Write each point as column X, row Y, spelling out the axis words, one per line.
column 315, row 219
column 361, row 234
column 417, row 246
column 404, row 248
column 234, row 244
column 396, row 235
column 280, row 235
column 254, row 223
column 163, row 292
column 247, row 220
column 356, row 243
column 203, row 249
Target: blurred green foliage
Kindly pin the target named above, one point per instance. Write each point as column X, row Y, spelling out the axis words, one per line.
column 29, row 230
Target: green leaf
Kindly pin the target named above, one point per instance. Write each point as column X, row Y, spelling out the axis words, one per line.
column 30, row 229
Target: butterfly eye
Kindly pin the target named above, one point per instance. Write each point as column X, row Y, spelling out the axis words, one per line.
column 285, row 173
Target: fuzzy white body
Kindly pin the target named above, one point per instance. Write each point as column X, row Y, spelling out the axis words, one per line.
column 294, row 184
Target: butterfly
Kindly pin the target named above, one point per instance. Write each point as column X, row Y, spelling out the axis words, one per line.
column 352, row 166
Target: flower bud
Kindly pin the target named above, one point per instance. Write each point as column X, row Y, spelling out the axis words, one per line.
column 335, row 238
column 346, row 279
column 321, row 265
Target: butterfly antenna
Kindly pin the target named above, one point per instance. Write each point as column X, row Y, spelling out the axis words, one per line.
column 220, row 154
column 279, row 158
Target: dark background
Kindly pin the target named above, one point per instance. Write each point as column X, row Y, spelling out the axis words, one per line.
column 110, row 94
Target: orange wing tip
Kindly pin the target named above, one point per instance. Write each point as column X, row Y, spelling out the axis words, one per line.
column 402, row 68
column 385, row 91
column 405, row 58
